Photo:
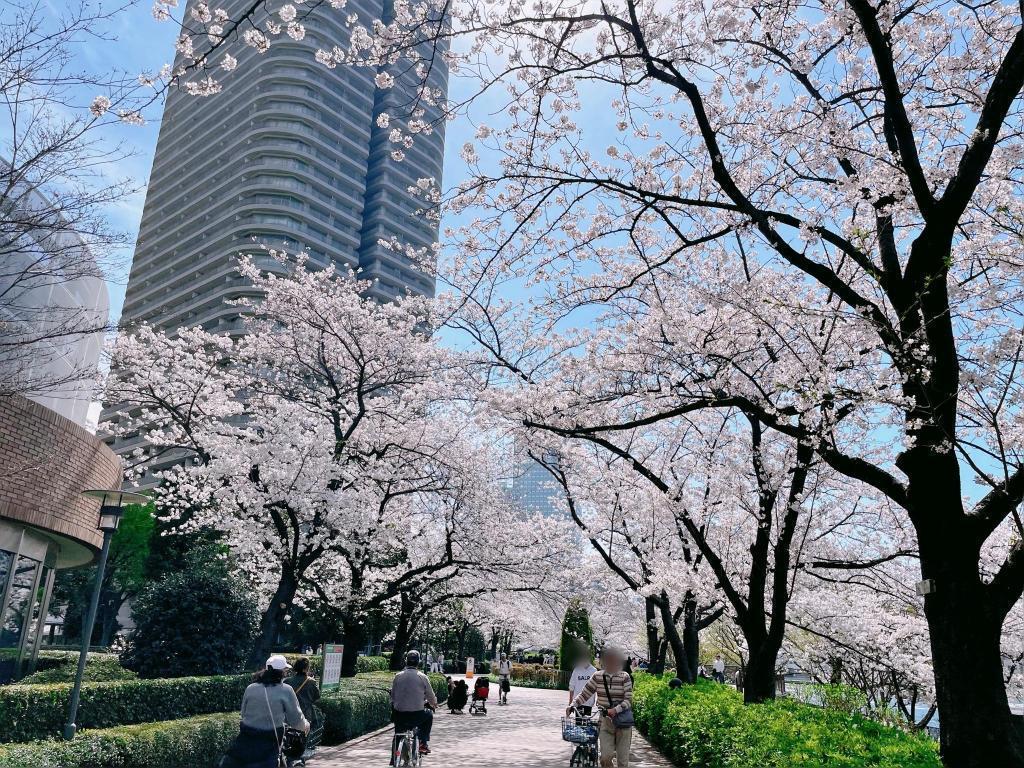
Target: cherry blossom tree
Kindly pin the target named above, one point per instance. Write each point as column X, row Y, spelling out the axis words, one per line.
column 293, row 438
column 743, row 507
column 856, row 165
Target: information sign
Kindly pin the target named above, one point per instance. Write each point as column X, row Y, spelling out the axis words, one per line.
column 331, row 676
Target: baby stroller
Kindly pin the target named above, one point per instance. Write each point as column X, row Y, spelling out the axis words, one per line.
column 481, row 689
column 458, row 697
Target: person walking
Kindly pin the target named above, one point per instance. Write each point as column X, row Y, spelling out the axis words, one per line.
column 614, row 691
column 267, row 706
column 718, row 669
column 411, row 693
column 504, row 677
column 578, row 679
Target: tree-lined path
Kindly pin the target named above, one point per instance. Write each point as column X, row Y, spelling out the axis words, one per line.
column 524, row 734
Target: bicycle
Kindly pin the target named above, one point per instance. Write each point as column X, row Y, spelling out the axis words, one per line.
column 581, row 730
column 405, row 749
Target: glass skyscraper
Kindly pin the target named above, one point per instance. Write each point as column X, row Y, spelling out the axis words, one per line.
column 533, row 488
column 289, row 154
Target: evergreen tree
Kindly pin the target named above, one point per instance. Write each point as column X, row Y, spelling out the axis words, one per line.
column 199, row 620
column 577, row 636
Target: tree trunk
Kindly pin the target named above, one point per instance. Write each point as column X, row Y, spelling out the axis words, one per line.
column 110, row 612
column 691, row 640
column 759, row 675
column 976, row 727
column 655, row 646
column 353, row 625
column 494, row 643
column 272, row 620
column 662, row 655
column 460, row 653
column 672, row 635
column 403, row 634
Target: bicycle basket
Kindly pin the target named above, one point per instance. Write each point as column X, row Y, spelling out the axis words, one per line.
column 579, row 730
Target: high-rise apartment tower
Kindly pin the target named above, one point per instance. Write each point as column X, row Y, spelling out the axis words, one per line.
column 289, row 154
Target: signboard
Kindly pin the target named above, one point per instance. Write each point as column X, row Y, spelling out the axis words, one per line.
column 331, row 676
column 470, row 664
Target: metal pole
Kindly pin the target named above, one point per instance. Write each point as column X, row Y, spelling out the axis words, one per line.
column 90, row 619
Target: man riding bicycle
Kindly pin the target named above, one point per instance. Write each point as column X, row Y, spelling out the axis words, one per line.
column 504, row 677
column 410, row 693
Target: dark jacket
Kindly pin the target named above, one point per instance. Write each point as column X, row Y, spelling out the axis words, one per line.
column 307, row 692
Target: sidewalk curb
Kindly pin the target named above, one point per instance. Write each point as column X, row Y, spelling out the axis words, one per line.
column 360, row 739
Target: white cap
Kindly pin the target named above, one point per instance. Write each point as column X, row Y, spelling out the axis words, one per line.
column 277, row 661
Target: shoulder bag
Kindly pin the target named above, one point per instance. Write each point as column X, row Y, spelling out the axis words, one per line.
column 624, row 719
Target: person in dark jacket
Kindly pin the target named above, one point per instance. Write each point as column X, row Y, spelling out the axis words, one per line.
column 306, row 690
column 458, row 697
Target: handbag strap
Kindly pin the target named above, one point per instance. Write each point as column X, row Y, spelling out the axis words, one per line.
column 607, row 690
column 273, row 723
column 301, row 686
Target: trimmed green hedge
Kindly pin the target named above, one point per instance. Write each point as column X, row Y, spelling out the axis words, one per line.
column 31, row 712
column 363, row 663
column 706, row 725
column 99, row 667
column 372, row 663
column 360, row 705
column 197, row 742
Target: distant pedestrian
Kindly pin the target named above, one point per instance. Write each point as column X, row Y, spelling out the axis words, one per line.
column 718, row 669
column 628, row 668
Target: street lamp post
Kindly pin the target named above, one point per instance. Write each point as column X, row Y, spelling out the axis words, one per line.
column 111, row 509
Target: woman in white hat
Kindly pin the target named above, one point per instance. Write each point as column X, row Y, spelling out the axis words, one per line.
column 267, row 706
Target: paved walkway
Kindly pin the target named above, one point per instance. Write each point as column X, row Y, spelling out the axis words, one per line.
column 523, row 734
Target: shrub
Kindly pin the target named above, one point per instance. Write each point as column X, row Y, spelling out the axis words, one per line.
column 360, row 705
column 38, row 711
column 364, row 664
column 30, row 712
column 197, row 742
column 372, row 663
column 536, row 676
column 706, row 725
column 99, row 667
column 197, row 621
